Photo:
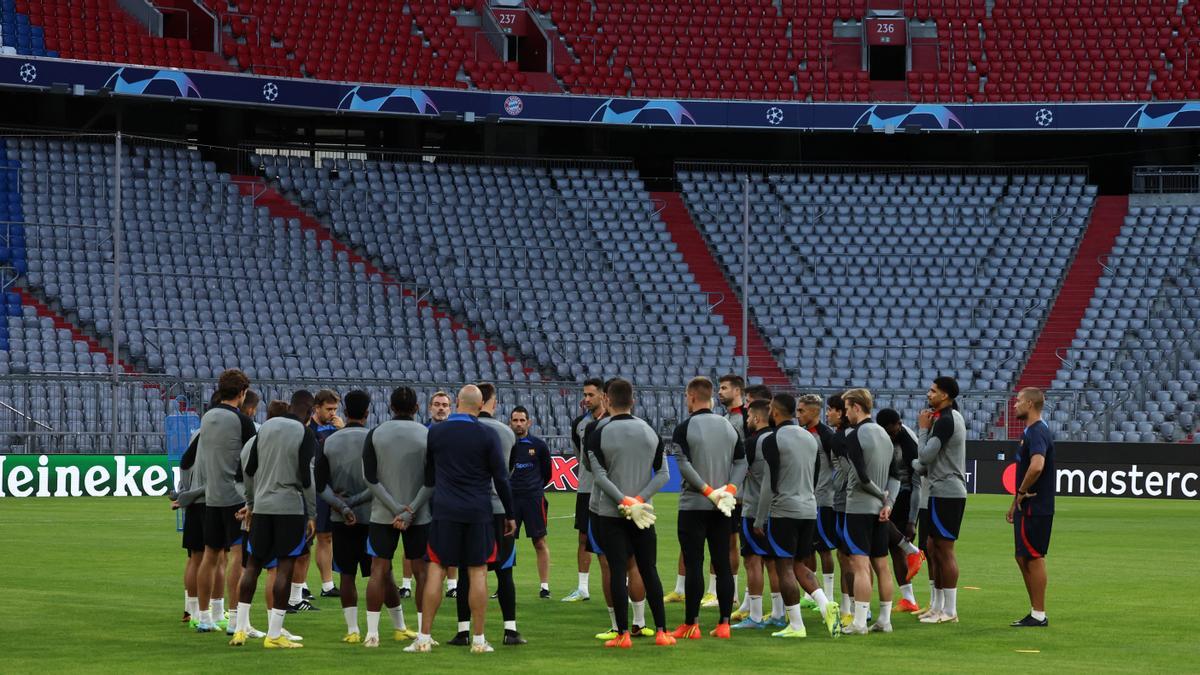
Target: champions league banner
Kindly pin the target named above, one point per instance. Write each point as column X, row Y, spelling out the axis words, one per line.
column 270, row 92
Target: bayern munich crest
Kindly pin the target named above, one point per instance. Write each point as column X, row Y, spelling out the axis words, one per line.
column 513, row 105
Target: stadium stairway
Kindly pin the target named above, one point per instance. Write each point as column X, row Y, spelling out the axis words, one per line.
column 1072, row 301
column 28, row 299
column 281, row 207
column 711, row 279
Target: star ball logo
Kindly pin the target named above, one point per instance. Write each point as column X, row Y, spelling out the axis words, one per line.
column 27, row 72
column 774, row 116
column 270, row 91
column 1043, row 117
column 513, row 105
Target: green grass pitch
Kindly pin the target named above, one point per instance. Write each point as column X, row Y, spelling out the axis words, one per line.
column 94, row 585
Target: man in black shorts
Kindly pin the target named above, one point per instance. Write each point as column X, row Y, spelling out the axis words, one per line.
column 868, row 510
column 393, row 464
column 907, row 558
column 530, row 470
column 593, row 403
column 223, row 432
column 808, row 415
column 340, row 483
column 464, row 461
column 281, row 506
column 787, row 515
column 1032, row 510
column 755, row 548
column 942, row 454
column 189, row 496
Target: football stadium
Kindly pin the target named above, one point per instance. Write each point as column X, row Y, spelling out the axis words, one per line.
column 661, row 336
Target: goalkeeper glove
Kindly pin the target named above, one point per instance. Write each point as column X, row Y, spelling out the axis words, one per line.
column 642, row 515
column 626, row 504
column 720, row 499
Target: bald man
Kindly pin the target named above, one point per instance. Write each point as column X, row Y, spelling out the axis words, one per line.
column 464, row 461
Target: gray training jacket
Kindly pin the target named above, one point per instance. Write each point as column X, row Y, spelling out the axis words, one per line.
column 508, row 438
column 338, row 471
column 393, row 465
column 710, row 453
column 626, row 460
column 578, row 426
column 755, row 468
column 789, row 479
column 869, row 452
column 943, row 451
column 278, row 469
column 223, row 432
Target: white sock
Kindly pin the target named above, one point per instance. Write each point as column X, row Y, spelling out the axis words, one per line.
column 478, row 639
column 932, row 590
column 1040, row 616
column 218, row 608
column 451, row 584
column 795, row 618
column 406, row 583
column 295, row 597
column 545, row 586
column 735, row 580
column 510, row 625
column 351, row 614
column 935, row 602
column 464, row 626
column 193, row 607
column 885, row 613
column 756, row 608
column 777, row 605
column 233, row 618
column 373, row 623
column 906, row 592
column 712, row 585
column 828, row 586
column 419, row 622
column 745, row 606
column 583, row 582
column 860, row 613
column 847, row 604
column 639, row 613
column 679, row 583
column 423, row 637
column 950, row 601
column 275, row 622
column 818, row 597
column 186, row 597
column 304, row 585
column 326, row 585
column 397, row 614
column 243, row 615
column 908, row 547
column 612, row 617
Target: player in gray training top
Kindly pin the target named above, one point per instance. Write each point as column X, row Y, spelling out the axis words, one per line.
column 787, row 514
column 942, row 437
column 281, row 501
column 506, row 545
column 868, row 510
column 808, row 415
column 754, row 547
column 627, row 457
column 712, row 463
column 393, row 465
column 340, row 483
column 223, row 431
column 593, row 403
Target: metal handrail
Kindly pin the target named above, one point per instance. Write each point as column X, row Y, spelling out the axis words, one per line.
column 27, row 417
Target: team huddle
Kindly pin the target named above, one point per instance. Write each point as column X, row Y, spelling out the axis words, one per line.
column 450, row 496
